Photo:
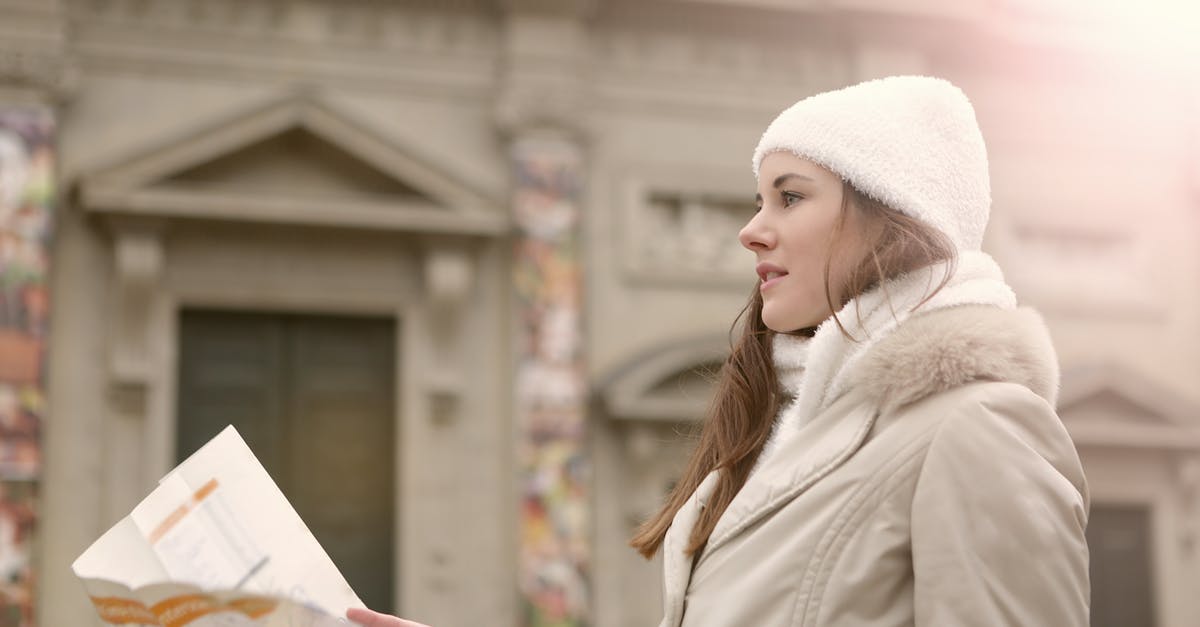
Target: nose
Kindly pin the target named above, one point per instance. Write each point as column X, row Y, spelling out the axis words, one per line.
column 756, row 236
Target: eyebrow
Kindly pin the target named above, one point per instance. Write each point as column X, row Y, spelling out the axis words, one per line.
column 783, row 178
column 792, row 175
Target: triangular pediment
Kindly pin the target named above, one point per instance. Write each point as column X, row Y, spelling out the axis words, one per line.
column 1111, row 404
column 1117, row 408
column 1115, row 394
column 297, row 160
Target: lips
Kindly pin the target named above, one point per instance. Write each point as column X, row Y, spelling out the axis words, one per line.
column 769, row 274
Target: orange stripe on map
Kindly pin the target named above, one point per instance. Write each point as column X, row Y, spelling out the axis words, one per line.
column 253, row 607
column 182, row 610
column 122, row 611
column 181, row 511
column 205, row 490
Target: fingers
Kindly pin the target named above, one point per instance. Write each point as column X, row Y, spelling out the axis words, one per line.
column 367, row 618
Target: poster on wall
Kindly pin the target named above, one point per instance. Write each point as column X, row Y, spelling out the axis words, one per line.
column 551, row 386
column 27, row 155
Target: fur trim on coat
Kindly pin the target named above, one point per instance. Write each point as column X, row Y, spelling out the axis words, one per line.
column 946, row 348
column 919, row 497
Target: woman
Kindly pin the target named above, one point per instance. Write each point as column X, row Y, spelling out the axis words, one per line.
column 883, row 447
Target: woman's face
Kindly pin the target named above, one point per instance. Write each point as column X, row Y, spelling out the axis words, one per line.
column 799, row 205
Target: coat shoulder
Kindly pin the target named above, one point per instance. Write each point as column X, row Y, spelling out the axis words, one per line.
column 944, row 349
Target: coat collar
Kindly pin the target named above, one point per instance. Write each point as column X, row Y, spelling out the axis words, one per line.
column 677, row 564
column 946, row 348
column 829, row 441
column 842, row 341
column 929, row 353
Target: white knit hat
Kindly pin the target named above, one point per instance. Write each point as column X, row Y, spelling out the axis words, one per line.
column 910, row 142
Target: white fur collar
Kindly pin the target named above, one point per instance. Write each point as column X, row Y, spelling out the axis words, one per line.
column 830, row 359
column 944, row 349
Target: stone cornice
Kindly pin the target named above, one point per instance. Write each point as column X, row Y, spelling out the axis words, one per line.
column 33, row 53
column 376, row 46
column 362, row 24
column 562, row 8
column 664, row 56
column 48, row 72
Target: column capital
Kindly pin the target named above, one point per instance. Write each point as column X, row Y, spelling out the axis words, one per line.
column 544, row 87
column 35, row 64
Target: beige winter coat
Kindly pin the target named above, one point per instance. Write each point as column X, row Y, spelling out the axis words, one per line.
column 941, row 490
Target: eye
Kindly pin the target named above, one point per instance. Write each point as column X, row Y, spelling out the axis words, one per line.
column 790, row 198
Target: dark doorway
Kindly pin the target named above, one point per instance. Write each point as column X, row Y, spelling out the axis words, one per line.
column 1119, row 539
column 314, row 397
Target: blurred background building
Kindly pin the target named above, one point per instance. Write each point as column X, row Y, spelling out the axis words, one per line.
column 459, row 270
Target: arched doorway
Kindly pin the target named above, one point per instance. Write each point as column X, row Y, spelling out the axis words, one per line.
column 644, row 412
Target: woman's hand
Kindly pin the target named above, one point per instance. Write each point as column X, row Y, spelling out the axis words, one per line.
column 367, row 618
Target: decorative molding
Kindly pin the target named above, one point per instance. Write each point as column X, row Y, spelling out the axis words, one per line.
column 633, row 391
column 545, row 62
column 1140, row 413
column 138, row 268
column 544, row 106
column 680, row 227
column 50, row 72
column 690, row 236
column 449, row 276
column 1187, row 473
column 398, row 216
column 416, row 47
column 631, row 54
column 1098, row 271
column 33, row 50
column 1076, row 243
column 427, row 24
column 654, row 59
column 563, row 8
column 143, row 185
column 445, row 388
column 1085, row 382
column 1124, row 436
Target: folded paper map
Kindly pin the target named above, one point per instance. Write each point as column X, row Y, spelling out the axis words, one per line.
column 215, row 544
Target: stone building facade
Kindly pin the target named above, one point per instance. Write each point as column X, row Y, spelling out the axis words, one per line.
column 534, row 204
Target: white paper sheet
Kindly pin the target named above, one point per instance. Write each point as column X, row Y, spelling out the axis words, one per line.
column 217, row 522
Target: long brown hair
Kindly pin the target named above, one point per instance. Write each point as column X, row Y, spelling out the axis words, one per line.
column 747, row 397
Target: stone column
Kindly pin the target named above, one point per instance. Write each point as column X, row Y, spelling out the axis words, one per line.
column 541, row 109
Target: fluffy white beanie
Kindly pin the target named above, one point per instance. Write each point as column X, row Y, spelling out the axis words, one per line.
column 910, row 142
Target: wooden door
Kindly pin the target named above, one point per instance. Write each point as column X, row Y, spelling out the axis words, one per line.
column 314, row 398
